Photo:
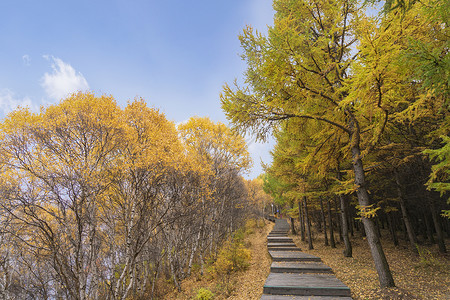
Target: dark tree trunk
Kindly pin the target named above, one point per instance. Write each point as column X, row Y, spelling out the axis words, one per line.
column 362, row 228
column 377, row 224
column 302, row 221
column 330, row 225
column 308, row 225
column 392, row 229
column 351, row 221
column 408, row 225
column 338, row 218
column 317, row 217
column 379, row 258
column 292, row 226
column 344, row 219
column 437, row 227
column 325, row 235
column 429, row 229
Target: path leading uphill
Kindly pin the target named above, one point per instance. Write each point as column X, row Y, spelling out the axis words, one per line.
column 296, row 275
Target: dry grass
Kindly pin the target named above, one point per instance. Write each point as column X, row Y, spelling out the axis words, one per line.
column 416, row 277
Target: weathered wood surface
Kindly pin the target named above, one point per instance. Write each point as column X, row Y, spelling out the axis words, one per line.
column 279, row 239
column 299, row 267
column 292, row 256
column 305, row 285
column 284, row 249
column 281, row 245
column 296, row 275
column 284, row 297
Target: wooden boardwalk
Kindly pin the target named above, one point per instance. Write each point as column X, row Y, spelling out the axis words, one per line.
column 296, row 275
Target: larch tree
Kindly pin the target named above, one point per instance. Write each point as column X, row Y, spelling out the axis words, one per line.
column 303, row 70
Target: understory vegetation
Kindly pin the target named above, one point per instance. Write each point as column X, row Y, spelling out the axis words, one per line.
column 237, row 272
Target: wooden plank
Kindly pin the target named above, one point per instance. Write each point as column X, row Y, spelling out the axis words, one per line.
column 284, row 297
column 299, row 267
column 305, row 285
column 284, row 249
column 279, row 239
column 292, row 256
column 281, row 244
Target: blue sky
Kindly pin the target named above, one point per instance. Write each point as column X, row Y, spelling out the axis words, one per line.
column 175, row 54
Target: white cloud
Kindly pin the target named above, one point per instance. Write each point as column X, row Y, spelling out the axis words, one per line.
column 26, row 60
column 9, row 101
column 63, row 80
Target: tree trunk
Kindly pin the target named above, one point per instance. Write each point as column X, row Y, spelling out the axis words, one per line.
column 351, row 220
column 429, row 229
column 338, row 218
column 344, row 218
column 325, row 236
column 348, row 251
column 377, row 225
column 292, row 226
column 408, row 225
column 437, row 227
column 381, row 264
column 308, row 226
column 194, row 250
column 392, row 229
column 302, row 221
column 330, row 225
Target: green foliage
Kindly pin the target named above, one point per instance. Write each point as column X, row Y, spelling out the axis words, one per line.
column 204, row 294
column 440, row 175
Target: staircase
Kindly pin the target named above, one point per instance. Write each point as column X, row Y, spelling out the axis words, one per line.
column 296, row 275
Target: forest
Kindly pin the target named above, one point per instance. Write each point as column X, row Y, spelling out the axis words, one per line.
column 358, row 103
column 99, row 201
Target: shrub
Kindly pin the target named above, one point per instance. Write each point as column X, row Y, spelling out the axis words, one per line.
column 204, row 294
column 233, row 256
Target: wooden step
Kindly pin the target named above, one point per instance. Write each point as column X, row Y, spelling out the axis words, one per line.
column 281, row 297
column 281, row 245
column 284, row 249
column 279, row 239
column 305, row 285
column 292, row 256
column 299, row 267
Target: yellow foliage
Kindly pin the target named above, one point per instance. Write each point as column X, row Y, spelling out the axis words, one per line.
column 368, row 211
column 214, row 144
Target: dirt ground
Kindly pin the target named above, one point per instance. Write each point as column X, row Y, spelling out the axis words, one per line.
column 425, row 276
